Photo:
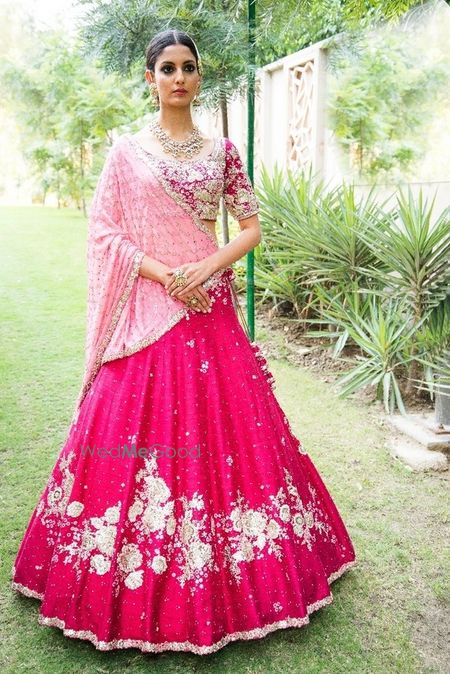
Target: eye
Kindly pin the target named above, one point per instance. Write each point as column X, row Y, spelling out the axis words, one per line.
column 190, row 67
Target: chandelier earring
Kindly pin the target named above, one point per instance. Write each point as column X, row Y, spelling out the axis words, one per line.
column 154, row 92
column 196, row 100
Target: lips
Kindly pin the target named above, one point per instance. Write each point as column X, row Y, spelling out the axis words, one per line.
column 180, row 91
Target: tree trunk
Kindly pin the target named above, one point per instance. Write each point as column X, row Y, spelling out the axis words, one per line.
column 414, row 368
column 83, row 200
column 224, row 115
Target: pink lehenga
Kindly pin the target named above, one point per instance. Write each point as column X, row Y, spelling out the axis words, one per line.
column 182, row 513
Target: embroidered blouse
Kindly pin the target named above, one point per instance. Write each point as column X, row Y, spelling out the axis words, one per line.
column 201, row 182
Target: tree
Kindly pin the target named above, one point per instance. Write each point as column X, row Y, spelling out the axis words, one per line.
column 68, row 108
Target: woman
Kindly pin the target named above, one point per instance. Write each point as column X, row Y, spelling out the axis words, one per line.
column 182, row 513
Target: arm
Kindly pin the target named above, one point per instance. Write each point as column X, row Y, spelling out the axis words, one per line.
column 249, row 237
column 153, row 269
column 241, row 202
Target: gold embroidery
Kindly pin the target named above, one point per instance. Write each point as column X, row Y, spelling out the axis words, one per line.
column 238, row 193
column 116, row 315
column 92, row 540
column 74, row 509
column 155, row 163
column 151, row 647
column 249, row 533
column 51, row 509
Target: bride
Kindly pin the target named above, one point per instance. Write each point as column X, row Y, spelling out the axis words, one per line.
column 182, row 512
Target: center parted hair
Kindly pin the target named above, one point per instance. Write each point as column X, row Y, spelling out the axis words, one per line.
column 166, row 38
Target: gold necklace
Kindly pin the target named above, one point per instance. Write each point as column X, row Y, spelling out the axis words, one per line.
column 188, row 147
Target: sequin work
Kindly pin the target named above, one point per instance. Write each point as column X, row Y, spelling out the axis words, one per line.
column 182, row 512
column 199, row 184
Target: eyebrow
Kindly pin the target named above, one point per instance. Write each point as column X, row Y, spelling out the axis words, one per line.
column 172, row 63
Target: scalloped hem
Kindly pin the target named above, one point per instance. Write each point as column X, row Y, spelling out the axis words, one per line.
column 186, row 646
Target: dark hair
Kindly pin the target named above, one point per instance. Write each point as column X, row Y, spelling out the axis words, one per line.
column 164, row 39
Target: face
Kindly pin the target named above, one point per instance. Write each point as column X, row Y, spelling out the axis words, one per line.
column 175, row 68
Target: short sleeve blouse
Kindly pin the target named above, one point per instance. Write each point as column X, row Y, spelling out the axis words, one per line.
column 198, row 184
column 238, row 193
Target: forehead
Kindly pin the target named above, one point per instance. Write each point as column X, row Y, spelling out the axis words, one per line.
column 176, row 53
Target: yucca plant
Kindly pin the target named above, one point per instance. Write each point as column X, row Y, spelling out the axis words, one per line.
column 282, row 198
column 329, row 246
column 384, row 335
column 349, row 303
column 311, row 238
column 433, row 341
column 317, row 232
column 413, row 258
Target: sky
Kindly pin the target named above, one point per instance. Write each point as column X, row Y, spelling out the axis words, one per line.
column 52, row 14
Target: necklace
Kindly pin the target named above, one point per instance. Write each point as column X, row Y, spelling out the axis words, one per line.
column 188, row 147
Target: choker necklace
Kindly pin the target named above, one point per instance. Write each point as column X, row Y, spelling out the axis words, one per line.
column 188, row 147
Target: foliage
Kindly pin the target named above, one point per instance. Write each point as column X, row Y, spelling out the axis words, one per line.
column 382, row 100
column 414, row 250
column 69, row 108
column 365, row 275
column 384, row 336
column 118, row 31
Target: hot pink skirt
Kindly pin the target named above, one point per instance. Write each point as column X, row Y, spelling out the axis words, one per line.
column 182, row 513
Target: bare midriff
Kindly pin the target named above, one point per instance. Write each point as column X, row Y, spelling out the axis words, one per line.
column 211, row 224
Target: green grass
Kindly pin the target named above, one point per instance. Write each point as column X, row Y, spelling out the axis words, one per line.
column 388, row 613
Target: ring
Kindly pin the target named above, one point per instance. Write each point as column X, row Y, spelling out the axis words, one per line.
column 180, row 278
column 193, row 301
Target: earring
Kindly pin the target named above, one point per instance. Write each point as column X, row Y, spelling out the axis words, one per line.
column 154, row 92
column 196, row 100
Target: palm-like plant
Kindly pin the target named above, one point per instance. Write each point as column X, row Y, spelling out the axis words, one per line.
column 433, row 341
column 313, row 237
column 318, row 232
column 384, row 333
column 413, row 257
column 338, row 306
column 282, row 199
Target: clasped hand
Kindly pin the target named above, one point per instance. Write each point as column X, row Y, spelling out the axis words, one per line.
column 196, row 273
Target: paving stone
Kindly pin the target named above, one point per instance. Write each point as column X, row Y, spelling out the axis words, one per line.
column 419, row 428
column 415, row 456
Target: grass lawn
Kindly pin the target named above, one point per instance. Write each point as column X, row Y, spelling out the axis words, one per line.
column 389, row 613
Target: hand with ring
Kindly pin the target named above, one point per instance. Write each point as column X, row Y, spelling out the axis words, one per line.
column 198, row 299
column 182, row 280
column 182, row 284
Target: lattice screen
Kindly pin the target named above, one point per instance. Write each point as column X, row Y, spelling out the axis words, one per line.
column 300, row 131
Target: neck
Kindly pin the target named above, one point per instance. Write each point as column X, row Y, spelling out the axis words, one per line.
column 176, row 122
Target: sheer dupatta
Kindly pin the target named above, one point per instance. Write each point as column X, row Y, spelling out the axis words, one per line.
column 132, row 214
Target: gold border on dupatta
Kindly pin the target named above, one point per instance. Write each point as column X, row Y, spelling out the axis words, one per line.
column 137, row 260
column 152, row 163
column 212, row 282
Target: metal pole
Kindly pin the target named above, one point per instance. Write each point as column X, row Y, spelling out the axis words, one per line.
column 250, row 156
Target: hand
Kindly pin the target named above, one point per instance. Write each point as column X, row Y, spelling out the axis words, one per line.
column 196, row 273
column 204, row 300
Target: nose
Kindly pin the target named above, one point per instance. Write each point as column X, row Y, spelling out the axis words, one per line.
column 179, row 75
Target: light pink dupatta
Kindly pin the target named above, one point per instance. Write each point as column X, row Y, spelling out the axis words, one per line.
column 133, row 213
